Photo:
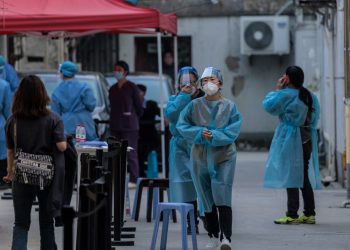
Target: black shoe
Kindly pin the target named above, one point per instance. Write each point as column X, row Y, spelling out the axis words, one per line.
column 58, row 221
column 204, row 223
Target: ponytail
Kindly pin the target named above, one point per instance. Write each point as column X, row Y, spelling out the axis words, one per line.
column 306, row 97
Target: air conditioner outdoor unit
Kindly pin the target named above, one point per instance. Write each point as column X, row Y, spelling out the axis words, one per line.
column 264, row 35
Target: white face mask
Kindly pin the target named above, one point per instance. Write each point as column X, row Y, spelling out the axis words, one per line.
column 210, row 88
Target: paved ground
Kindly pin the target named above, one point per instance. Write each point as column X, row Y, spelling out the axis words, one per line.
column 254, row 210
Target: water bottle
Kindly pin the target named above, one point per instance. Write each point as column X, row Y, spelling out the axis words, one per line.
column 78, row 133
column 82, row 133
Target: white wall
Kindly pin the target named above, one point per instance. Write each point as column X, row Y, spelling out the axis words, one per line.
column 309, row 54
column 213, row 40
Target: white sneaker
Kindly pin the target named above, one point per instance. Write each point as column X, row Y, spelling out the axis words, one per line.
column 225, row 244
column 213, row 244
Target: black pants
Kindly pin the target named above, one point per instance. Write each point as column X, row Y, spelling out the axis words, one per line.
column 195, row 207
column 3, row 169
column 307, row 192
column 221, row 222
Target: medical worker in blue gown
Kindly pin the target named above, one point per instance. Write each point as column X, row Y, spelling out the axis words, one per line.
column 5, row 111
column 9, row 74
column 293, row 144
column 74, row 101
column 181, row 184
column 213, row 124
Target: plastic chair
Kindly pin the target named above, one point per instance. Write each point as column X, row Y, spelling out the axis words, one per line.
column 156, row 187
column 166, row 208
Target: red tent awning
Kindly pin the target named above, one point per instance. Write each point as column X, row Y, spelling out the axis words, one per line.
column 81, row 16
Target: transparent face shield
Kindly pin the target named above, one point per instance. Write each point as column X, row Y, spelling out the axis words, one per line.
column 186, row 78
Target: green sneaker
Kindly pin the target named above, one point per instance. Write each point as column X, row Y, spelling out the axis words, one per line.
column 307, row 219
column 286, row 220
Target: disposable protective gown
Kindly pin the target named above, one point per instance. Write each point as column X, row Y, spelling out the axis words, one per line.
column 5, row 109
column 181, row 184
column 214, row 161
column 285, row 167
column 10, row 75
column 74, row 101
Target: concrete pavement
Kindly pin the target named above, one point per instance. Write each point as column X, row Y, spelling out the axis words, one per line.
column 254, row 209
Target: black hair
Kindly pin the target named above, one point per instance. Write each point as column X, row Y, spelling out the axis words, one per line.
column 142, row 87
column 124, row 65
column 31, row 99
column 296, row 78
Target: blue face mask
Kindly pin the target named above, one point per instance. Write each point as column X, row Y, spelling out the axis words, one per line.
column 119, row 75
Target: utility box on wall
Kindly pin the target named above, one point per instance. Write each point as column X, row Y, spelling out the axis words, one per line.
column 264, row 35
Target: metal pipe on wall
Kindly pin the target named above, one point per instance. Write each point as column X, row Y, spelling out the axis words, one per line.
column 347, row 93
column 162, row 125
column 329, row 31
column 338, row 87
column 176, row 59
column 46, row 53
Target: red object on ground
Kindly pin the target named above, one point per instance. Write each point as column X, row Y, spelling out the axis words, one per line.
column 81, row 17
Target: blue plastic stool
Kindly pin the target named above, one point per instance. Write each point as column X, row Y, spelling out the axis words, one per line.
column 166, row 208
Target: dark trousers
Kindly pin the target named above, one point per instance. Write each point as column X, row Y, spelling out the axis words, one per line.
column 195, row 207
column 133, row 162
column 306, row 190
column 3, row 169
column 23, row 196
column 219, row 222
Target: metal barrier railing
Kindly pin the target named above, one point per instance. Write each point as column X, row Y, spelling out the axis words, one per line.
column 101, row 203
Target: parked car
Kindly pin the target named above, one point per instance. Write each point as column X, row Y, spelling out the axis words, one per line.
column 151, row 81
column 97, row 83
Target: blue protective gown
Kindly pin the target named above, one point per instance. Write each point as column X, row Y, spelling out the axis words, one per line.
column 10, row 75
column 5, row 110
column 285, row 166
column 74, row 101
column 213, row 162
column 181, row 184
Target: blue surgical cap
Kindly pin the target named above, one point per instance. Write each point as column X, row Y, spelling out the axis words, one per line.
column 2, row 64
column 68, row 69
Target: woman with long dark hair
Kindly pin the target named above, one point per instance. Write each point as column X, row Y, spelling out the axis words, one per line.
column 294, row 143
column 32, row 129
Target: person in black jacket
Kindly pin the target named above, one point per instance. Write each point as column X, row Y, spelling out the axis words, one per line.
column 148, row 136
column 34, row 129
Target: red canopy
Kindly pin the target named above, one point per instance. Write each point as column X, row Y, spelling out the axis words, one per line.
column 83, row 16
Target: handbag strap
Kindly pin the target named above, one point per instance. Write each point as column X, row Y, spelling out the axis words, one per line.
column 15, row 135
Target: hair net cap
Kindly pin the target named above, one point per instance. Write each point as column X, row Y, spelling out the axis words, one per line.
column 2, row 63
column 68, row 69
column 184, row 72
column 211, row 71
